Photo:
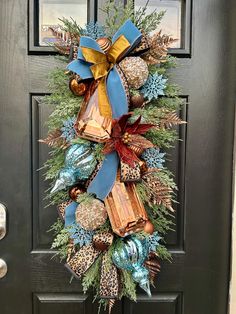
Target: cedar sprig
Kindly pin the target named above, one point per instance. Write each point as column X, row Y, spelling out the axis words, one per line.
column 116, row 13
column 70, row 26
column 91, row 278
column 149, row 22
column 128, row 286
column 163, row 253
column 163, row 138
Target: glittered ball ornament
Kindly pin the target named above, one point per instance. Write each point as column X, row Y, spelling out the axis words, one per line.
column 91, row 215
column 78, row 88
column 104, row 43
column 135, row 70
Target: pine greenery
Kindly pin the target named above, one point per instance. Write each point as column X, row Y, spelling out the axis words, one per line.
column 116, row 13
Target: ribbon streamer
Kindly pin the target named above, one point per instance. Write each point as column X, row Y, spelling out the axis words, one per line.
column 109, row 281
column 82, row 260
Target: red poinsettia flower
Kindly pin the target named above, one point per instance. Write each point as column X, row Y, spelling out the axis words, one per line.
column 126, row 139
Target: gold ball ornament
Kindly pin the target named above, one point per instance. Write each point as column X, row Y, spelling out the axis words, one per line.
column 91, row 215
column 78, row 88
column 135, row 70
column 104, row 43
column 137, row 101
column 148, row 228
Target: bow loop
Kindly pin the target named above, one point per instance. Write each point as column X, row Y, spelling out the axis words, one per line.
column 101, row 66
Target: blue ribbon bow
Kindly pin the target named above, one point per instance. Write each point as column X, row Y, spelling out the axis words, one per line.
column 106, row 176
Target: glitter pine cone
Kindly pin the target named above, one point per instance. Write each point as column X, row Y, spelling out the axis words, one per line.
column 68, row 131
column 94, row 30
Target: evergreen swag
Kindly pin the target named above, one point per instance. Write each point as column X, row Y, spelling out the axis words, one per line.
column 156, row 189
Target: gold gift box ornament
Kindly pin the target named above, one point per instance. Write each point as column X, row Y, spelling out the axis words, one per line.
column 125, row 209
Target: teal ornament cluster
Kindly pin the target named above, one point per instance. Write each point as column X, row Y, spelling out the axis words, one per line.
column 80, row 162
column 131, row 256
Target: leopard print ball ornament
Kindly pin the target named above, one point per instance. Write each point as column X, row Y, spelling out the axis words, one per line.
column 135, row 70
column 91, row 215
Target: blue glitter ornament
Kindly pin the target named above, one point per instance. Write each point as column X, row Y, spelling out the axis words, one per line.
column 154, row 86
column 68, row 131
column 80, row 235
column 153, row 157
column 131, row 256
column 80, row 162
column 94, row 30
column 153, row 242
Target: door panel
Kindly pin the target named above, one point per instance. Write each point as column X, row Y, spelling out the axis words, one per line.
column 196, row 282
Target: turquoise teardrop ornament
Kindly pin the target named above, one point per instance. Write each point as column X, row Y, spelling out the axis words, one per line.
column 80, row 162
column 131, row 256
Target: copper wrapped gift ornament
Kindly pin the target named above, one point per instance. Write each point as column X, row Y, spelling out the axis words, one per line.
column 91, row 124
column 125, row 209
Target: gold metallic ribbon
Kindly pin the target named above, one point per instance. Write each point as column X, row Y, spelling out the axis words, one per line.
column 102, row 64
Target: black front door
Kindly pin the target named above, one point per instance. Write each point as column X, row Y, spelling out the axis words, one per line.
column 196, row 282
